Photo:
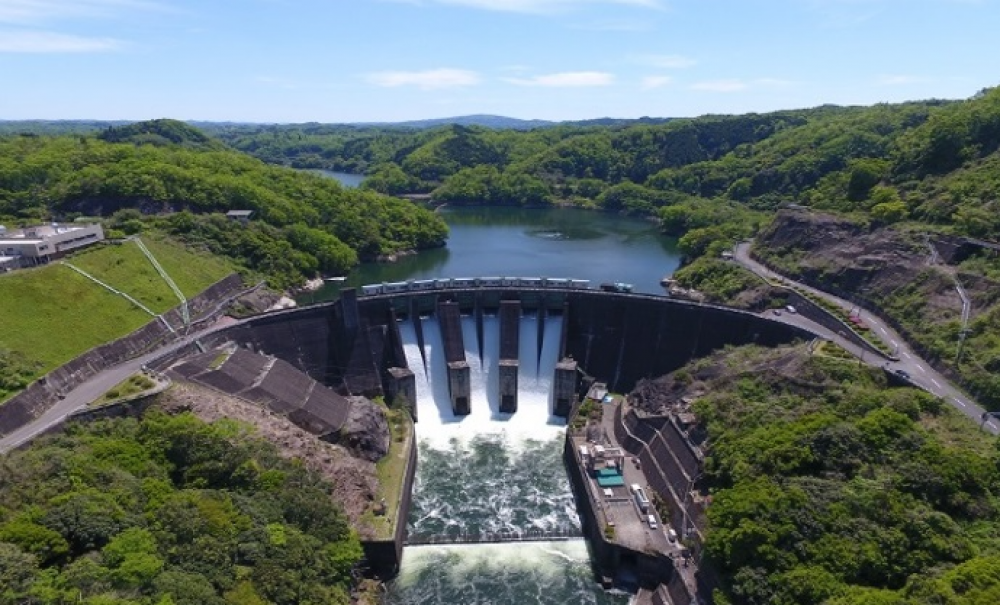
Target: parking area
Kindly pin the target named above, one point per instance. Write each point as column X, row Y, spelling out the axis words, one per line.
column 627, row 507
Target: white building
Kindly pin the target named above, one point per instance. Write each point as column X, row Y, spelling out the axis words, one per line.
column 38, row 245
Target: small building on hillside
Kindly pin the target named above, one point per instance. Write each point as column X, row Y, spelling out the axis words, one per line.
column 38, row 245
column 240, row 216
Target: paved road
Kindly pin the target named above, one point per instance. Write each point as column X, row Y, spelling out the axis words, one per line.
column 920, row 372
column 101, row 383
column 89, row 391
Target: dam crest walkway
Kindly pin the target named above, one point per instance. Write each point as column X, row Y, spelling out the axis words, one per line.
column 529, row 535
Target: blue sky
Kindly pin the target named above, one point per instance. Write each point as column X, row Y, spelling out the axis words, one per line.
column 390, row 60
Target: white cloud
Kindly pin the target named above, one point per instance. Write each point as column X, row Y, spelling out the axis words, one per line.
column 537, row 6
column 568, row 79
column 730, row 85
column 653, row 82
column 431, row 79
column 36, row 11
column 901, row 80
column 52, row 42
column 666, row 61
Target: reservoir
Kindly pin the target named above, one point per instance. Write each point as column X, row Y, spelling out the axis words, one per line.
column 346, row 179
column 516, row 242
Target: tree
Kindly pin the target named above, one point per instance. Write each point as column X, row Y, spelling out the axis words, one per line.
column 17, row 571
column 132, row 557
column 889, row 212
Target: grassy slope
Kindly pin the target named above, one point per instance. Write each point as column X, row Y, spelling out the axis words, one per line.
column 125, row 267
column 191, row 271
column 52, row 314
column 392, row 470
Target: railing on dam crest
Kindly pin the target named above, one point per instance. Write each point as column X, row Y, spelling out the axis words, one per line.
column 529, row 535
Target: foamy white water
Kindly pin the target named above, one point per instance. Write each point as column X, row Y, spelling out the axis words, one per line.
column 438, row 426
column 541, row 573
column 489, row 473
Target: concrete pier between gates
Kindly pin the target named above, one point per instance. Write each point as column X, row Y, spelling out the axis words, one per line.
column 510, row 347
column 459, row 375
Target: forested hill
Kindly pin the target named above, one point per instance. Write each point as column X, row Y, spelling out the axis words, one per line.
column 829, row 486
column 712, row 179
column 168, row 510
column 168, row 176
column 934, row 162
column 488, row 121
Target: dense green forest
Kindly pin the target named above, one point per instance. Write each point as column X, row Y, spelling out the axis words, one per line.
column 931, row 162
column 829, row 487
column 713, row 178
column 168, row 511
column 169, row 176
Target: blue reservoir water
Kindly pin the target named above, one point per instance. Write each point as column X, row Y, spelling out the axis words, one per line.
column 558, row 242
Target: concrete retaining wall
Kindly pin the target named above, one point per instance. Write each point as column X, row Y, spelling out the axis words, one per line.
column 44, row 392
column 383, row 557
column 818, row 314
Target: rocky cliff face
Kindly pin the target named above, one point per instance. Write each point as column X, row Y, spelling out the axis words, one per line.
column 910, row 278
column 879, row 265
column 366, row 432
column 834, row 251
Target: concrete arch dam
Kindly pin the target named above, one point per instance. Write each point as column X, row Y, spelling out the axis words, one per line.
column 354, row 345
column 364, row 345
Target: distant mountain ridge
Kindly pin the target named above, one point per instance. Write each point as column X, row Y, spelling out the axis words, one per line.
column 507, row 123
column 495, row 122
column 488, row 121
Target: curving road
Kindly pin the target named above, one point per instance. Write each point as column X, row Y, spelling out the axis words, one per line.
column 921, row 374
column 92, row 389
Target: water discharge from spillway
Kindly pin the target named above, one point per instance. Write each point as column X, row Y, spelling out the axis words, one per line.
column 490, row 472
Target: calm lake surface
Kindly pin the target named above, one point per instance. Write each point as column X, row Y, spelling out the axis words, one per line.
column 346, row 179
column 514, row 242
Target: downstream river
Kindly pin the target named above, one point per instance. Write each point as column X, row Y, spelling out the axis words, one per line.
column 492, row 472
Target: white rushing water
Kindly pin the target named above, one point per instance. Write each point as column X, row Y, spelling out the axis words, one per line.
column 491, row 472
column 438, row 426
column 543, row 573
column 488, row 472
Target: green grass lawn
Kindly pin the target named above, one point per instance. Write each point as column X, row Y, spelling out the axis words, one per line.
column 52, row 314
column 125, row 267
column 192, row 271
column 134, row 384
column 391, row 470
